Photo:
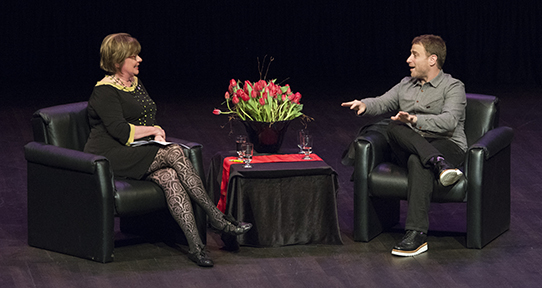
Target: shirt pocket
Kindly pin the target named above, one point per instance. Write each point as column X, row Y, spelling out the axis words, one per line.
column 431, row 106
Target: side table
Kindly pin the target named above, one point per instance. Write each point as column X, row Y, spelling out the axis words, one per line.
column 287, row 202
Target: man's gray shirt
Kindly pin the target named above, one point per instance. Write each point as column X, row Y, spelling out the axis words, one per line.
column 439, row 105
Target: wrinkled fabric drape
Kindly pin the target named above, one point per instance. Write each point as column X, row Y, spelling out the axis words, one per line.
column 288, row 204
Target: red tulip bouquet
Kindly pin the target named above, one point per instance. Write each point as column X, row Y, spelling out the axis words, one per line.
column 262, row 101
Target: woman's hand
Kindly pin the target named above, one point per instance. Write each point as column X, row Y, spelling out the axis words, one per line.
column 144, row 131
column 160, row 134
column 160, row 138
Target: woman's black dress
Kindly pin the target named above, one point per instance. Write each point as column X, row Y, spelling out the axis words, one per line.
column 112, row 112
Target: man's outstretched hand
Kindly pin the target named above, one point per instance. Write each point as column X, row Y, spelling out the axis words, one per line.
column 355, row 105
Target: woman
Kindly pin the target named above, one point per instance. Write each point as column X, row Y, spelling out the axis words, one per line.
column 120, row 111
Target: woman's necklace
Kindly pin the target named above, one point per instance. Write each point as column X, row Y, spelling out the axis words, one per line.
column 120, row 82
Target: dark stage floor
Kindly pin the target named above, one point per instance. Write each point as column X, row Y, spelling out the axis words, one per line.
column 512, row 260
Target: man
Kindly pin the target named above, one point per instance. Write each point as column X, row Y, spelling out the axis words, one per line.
column 426, row 135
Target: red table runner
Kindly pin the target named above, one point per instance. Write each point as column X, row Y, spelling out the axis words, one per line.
column 228, row 161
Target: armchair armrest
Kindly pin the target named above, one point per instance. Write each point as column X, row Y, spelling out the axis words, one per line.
column 185, row 143
column 70, row 201
column 487, row 168
column 494, row 141
column 489, row 145
column 63, row 158
column 372, row 148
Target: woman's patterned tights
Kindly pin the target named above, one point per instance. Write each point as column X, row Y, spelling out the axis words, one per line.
column 180, row 182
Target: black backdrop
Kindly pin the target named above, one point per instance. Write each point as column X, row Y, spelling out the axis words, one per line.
column 50, row 48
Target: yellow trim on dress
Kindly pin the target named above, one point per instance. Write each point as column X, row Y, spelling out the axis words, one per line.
column 127, row 89
column 120, row 87
column 132, row 134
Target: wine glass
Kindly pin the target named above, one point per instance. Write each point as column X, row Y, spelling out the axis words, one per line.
column 238, row 142
column 307, row 147
column 300, row 134
column 247, row 152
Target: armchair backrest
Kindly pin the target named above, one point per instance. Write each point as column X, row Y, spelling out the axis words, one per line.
column 482, row 116
column 65, row 125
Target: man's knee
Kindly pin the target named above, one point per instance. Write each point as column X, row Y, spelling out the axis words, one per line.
column 394, row 129
column 414, row 161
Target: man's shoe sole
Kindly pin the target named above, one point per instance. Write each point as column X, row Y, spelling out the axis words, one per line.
column 403, row 253
column 450, row 176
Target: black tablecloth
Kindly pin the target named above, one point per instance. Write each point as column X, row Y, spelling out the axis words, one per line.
column 288, row 202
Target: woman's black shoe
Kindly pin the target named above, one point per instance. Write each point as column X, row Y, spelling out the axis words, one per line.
column 200, row 257
column 235, row 227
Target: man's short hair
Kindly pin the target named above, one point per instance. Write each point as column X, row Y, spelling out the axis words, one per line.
column 433, row 45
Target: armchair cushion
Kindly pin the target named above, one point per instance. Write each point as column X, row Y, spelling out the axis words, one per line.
column 388, row 180
column 135, row 197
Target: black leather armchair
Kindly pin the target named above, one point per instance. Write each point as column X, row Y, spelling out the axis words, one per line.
column 73, row 197
column 379, row 184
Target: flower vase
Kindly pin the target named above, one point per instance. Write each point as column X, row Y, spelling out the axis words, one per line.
column 266, row 137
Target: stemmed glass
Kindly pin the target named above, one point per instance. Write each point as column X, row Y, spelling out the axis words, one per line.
column 307, row 146
column 300, row 134
column 238, row 142
column 247, row 152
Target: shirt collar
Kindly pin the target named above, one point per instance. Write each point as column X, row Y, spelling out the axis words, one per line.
column 435, row 81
